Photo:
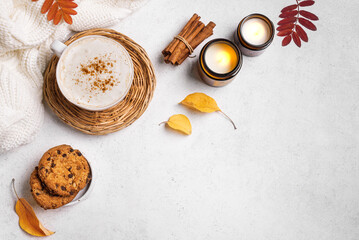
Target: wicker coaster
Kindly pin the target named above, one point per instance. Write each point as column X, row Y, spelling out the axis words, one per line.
column 117, row 117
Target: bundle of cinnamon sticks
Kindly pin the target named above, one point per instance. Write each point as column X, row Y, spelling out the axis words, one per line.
column 194, row 33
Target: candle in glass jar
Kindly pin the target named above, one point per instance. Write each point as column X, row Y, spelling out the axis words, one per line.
column 221, row 58
column 219, row 62
column 254, row 34
column 256, row 31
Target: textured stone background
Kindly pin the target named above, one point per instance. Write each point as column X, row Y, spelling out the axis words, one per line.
column 290, row 171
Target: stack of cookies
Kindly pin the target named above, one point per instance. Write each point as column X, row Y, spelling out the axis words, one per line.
column 61, row 174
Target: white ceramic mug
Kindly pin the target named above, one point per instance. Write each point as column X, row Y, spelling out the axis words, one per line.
column 93, row 72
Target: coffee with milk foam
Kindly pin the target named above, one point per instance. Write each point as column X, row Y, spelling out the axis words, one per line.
column 95, row 72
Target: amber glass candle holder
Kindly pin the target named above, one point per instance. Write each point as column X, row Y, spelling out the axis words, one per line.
column 254, row 34
column 219, row 62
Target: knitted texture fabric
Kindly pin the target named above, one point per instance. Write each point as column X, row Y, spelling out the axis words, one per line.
column 25, row 37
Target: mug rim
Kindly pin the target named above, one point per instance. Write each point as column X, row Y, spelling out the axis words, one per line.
column 86, row 107
column 86, row 191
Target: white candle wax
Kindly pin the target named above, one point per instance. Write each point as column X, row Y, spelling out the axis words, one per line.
column 221, row 58
column 255, row 31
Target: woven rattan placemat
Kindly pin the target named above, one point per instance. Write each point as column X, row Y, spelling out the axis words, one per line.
column 117, row 117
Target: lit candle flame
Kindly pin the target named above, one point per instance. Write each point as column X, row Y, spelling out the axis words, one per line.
column 223, row 58
column 257, row 29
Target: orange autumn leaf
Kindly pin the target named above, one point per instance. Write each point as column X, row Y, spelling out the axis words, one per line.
column 69, row 11
column 27, row 218
column 58, row 9
column 52, row 12
column 57, row 17
column 67, row 18
column 46, row 6
column 66, row 4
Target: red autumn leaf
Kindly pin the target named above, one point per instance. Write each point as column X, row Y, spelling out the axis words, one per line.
column 46, row 6
column 284, row 32
column 289, row 8
column 287, row 20
column 308, row 24
column 69, row 11
column 301, row 33
column 52, row 12
column 285, row 26
column 308, row 15
column 286, row 40
column 306, row 4
column 292, row 16
column 66, row 4
column 288, row 14
column 296, row 39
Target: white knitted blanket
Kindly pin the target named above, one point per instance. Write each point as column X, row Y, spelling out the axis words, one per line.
column 25, row 36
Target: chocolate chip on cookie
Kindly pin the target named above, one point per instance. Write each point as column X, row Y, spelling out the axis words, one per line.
column 43, row 197
column 66, row 173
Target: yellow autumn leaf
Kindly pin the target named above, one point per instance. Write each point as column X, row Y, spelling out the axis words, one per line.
column 180, row 123
column 203, row 103
column 27, row 218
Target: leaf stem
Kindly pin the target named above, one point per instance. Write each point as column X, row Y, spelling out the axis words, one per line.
column 296, row 21
column 13, row 186
column 234, row 125
column 162, row 123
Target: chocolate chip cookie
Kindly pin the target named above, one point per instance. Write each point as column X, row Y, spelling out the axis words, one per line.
column 42, row 195
column 64, row 170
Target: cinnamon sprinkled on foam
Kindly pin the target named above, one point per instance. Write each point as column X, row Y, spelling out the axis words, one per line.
column 99, row 74
column 96, row 72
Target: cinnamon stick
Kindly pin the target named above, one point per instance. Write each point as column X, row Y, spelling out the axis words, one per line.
column 185, row 35
column 170, row 48
column 194, row 18
column 193, row 33
column 206, row 32
column 182, row 47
